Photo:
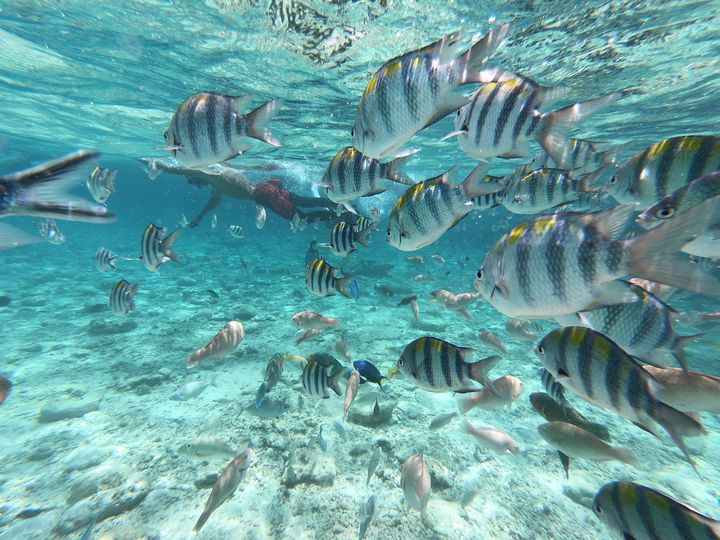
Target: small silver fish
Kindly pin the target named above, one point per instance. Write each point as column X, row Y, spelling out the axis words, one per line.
column 321, row 441
column 260, row 216
column 373, row 464
column 207, row 447
column 488, row 338
column 49, row 230
column 366, row 513
column 189, row 390
column 441, row 420
column 214, row 221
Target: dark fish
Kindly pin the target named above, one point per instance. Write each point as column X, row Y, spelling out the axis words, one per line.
column 213, row 294
column 368, row 372
column 156, row 248
column 5, row 389
column 408, row 300
column 321, row 281
column 273, row 370
column 343, row 239
column 552, row 411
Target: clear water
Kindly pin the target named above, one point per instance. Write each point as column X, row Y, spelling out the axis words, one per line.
column 109, row 77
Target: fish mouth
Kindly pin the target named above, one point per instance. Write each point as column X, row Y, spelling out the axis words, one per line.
column 392, row 372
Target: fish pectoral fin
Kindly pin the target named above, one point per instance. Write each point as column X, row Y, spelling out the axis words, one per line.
column 376, row 191
column 455, row 133
column 565, row 460
column 612, row 294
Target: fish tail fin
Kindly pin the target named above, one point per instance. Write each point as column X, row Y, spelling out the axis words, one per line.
column 393, row 169
column 552, row 134
column 167, row 245
column 655, row 255
column 626, row 456
column 362, row 237
column 258, row 120
column 468, row 403
column 478, row 55
column 131, row 296
column 11, row 237
column 202, row 520
column 110, row 181
column 475, row 183
column 679, row 346
column 334, row 323
column 334, row 381
column 341, row 284
column 479, row 371
column 46, row 189
column 678, row 424
column 610, row 156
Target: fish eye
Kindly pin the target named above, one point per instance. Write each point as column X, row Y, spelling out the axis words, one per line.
column 540, row 349
column 400, row 362
column 480, row 273
column 613, row 179
column 597, row 508
column 165, row 135
column 352, row 132
column 665, row 213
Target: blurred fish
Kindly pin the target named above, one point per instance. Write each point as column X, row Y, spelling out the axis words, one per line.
column 341, row 347
column 236, row 231
column 415, row 259
column 663, row 292
column 600, row 372
column 365, row 515
column 325, row 360
column 225, row 486
column 416, row 89
column 351, row 390
column 321, row 281
column 415, row 482
column 640, row 513
column 566, row 263
column 207, row 447
column 384, row 290
column 414, row 306
column 430, row 208
column 189, row 390
column 309, row 320
column 223, row 344
column 101, row 184
column 122, row 297
column 521, row 330
column 376, row 410
column 552, row 411
column 422, row 277
column 351, row 175
column 269, row 408
column 553, row 388
column 507, row 389
column 156, row 248
column 260, row 216
column 457, row 303
column 662, row 168
column 644, row 328
column 214, row 221
column 438, row 259
column 581, row 157
column 308, row 335
column 11, row 237
column 273, row 371
column 42, row 191
column 441, row 420
column 493, row 439
column 340, row 429
column 5, row 389
column 320, row 440
column 369, row 373
column 363, row 223
column 373, row 463
column 488, row 338
column 208, row 128
column 183, row 221
column 316, row 379
column 89, row 529
column 438, row 366
column 214, row 295
column 681, row 200
column 105, row 260
column 506, row 113
column 49, row 230
column 687, row 390
column 343, row 239
column 312, row 253
column 297, row 223
column 575, row 442
column 152, row 169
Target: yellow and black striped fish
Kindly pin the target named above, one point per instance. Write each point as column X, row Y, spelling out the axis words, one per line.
column 662, row 168
column 209, row 128
column 101, row 184
column 343, row 238
column 317, row 378
column 638, row 512
column 122, row 298
column 321, row 281
column 156, row 248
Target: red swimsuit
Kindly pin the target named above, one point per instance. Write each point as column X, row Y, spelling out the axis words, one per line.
column 272, row 195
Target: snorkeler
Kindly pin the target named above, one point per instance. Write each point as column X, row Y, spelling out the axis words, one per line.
column 230, row 182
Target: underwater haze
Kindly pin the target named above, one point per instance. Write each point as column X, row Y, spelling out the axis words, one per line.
column 247, row 335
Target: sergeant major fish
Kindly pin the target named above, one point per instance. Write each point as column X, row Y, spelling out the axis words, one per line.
column 566, row 263
column 236, row 231
column 430, row 208
column 105, row 260
column 156, row 248
column 321, row 281
column 343, row 239
column 543, row 189
column 316, row 379
column 101, row 184
column 208, row 128
column 581, row 157
column 122, row 298
column 49, row 230
column 416, row 89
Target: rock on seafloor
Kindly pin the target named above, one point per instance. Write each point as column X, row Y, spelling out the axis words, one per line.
column 130, row 532
column 310, row 467
column 104, row 504
column 362, row 411
column 64, row 411
column 88, row 482
column 101, row 328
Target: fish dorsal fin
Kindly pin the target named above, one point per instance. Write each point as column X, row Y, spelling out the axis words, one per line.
column 446, row 48
column 613, row 222
column 241, row 102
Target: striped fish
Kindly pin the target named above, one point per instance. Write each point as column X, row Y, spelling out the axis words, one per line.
column 101, row 184
column 352, row 175
column 430, row 208
column 317, row 378
column 43, row 191
column 343, row 238
column 567, row 262
column 363, row 223
column 321, row 281
column 637, row 512
column 552, row 411
column 438, row 366
column 49, row 230
column 208, row 128
column 583, row 157
column 553, row 388
column 662, row 168
column 236, row 231
column 543, row 189
column 644, row 328
column 122, row 298
column 505, row 114
column 597, row 370
column 681, row 200
column 417, row 89
column 156, row 248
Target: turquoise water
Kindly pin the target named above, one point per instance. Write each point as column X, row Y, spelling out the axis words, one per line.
column 109, row 78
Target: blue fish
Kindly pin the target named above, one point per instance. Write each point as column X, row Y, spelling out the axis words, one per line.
column 355, row 290
column 312, row 253
column 369, row 373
